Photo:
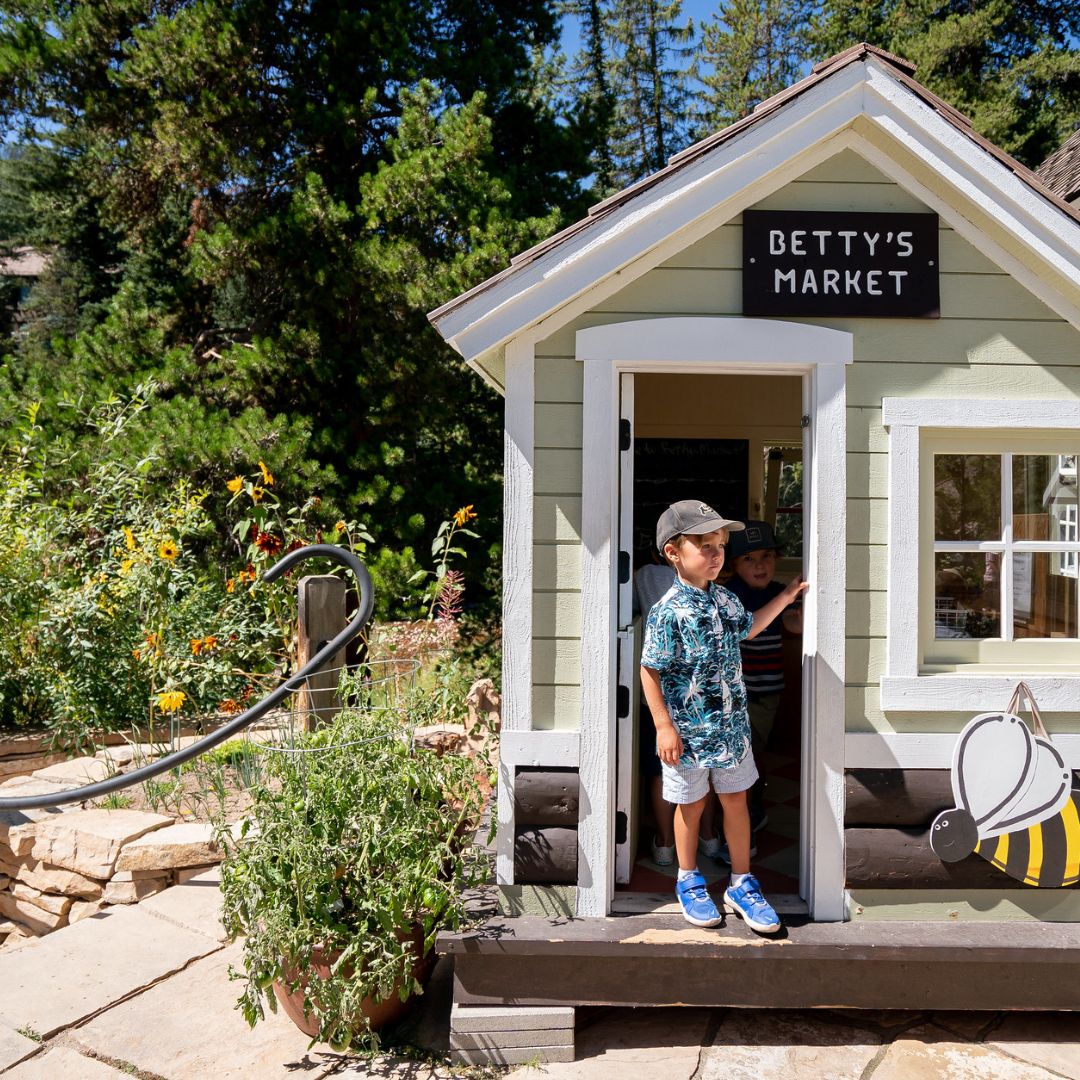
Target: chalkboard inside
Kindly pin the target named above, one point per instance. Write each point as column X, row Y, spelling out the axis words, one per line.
column 667, row 470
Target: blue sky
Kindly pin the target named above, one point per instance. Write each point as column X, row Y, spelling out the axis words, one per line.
column 698, row 10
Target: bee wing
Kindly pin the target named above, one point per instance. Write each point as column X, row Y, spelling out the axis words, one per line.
column 990, row 765
column 1047, row 790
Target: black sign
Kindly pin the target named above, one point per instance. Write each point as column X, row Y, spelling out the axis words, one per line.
column 667, row 470
column 815, row 263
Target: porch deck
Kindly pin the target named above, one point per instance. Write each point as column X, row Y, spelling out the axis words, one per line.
column 657, row 959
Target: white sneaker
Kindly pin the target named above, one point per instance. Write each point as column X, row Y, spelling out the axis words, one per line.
column 710, row 848
column 662, row 856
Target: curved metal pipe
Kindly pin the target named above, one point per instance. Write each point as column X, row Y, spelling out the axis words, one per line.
column 292, row 684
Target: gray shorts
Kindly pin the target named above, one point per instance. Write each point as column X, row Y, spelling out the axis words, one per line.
column 686, row 784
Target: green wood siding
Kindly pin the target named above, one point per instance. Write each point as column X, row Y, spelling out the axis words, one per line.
column 994, row 339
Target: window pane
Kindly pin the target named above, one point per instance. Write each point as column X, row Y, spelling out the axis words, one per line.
column 1044, row 594
column 1044, row 497
column 967, row 595
column 967, row 497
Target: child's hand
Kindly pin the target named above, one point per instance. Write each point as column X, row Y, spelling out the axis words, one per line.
column 794, row 590
column 668, row 744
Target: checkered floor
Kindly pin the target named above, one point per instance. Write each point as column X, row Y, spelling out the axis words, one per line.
column 776, row 864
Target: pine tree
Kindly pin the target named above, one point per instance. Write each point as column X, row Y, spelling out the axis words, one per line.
column 280, row 191
column 1010, row 65
column 650, row 85
column 750, row 51
column 591, row 88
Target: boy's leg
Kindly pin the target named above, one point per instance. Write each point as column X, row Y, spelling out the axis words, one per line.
column 743, row 895
column 663, row 813
column 762, row 712
column 687, row 824
column 737, row 830
column 688, row 789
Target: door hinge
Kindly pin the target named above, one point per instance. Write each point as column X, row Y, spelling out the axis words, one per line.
column 624, row 567
column 806, row 421
column 622, row 701
column 624, row 435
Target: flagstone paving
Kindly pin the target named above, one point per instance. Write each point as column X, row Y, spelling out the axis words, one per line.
column 145, row 992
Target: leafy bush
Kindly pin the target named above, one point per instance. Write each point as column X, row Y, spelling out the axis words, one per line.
column 354, row 845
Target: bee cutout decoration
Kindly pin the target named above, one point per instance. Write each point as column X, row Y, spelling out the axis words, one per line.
column 1015, row 803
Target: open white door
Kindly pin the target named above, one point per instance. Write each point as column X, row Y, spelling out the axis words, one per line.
column 626, row 690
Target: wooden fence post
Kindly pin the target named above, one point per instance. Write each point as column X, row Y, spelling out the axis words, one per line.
column 321, row 617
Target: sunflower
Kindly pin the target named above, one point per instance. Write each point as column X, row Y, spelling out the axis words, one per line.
column 171, row 700
column 235, row 484
column 257, row 493
column 463, row 515
column 267, row 542
column 268, row 476
column 168, row 550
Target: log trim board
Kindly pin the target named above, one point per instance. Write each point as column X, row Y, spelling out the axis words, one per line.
column 887, row 820
column 546, row 796
column 895, row 797
column 545, row 805
column 545, row 855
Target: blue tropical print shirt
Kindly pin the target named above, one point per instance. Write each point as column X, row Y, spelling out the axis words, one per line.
column 692, row 639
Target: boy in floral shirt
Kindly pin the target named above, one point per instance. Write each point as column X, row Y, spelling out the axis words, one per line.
column 691, row 675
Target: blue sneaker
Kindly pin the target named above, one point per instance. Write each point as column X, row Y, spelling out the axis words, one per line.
column 747, row 901
column 697, row 906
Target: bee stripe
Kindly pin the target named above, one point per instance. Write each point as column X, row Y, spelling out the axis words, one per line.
column 1055, row 849
column 1072, row 832
column 1017, row 861
column 1035, row 857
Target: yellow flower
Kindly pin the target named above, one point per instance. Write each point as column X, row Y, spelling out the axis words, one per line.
column 209, row 642
column 463, row 515
column 168, row 550
column 340, row 526
column 257, row 493
column 235, row 484
column 129, row 539
column 230, row 584
column 268, row 476
column 196, row 646
column 171, row 700
column 126, row 565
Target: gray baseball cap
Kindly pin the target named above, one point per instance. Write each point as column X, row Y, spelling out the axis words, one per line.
column 691, row 517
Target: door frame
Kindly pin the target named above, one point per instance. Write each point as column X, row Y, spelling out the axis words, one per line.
column 717, row 345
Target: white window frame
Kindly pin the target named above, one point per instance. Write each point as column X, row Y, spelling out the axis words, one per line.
column 903, row 686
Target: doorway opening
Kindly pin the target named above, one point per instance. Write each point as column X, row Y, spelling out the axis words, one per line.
column 736, row 442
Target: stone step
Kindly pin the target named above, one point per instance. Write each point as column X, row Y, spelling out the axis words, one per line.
column 88, row 841
column 68, row 977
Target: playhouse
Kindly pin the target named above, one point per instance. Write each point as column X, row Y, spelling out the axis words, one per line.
column 852, row 316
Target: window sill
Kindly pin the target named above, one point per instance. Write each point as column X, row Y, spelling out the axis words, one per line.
column 977, row 693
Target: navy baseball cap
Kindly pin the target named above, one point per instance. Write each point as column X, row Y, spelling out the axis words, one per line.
column 757, row 536
column 692, row 518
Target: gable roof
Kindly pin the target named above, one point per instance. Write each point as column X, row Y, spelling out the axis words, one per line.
column 861, row 82
column 1060, row 172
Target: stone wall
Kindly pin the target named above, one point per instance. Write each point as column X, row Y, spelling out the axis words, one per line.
column 65, row 864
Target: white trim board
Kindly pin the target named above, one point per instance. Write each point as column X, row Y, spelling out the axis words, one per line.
column 719, row 346
column 902, row 685
column 554, row 749
column 862, row 107
column 519, row 451
column 891, row 750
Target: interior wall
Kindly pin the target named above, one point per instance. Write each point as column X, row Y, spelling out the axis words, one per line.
column 765, row 407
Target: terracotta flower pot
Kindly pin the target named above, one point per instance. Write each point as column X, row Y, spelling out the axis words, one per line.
column 377, row 1014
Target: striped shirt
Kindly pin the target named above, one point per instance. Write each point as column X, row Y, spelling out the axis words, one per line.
column 763, row 655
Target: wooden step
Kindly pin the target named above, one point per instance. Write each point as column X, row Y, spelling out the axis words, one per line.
column 660, row 960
